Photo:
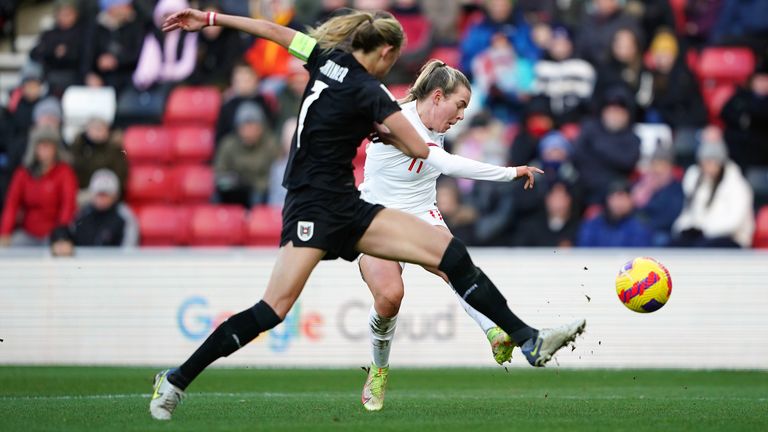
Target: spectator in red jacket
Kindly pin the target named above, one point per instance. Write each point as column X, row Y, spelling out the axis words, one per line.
column 43, row 192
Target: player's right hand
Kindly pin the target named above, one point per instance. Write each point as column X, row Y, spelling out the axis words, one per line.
column 528, row 172
column 190, row 20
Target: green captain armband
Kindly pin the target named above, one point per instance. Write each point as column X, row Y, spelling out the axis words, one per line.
column 301, row 46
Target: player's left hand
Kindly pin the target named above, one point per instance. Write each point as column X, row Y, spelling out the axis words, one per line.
column 528, row 172
column 190, row 20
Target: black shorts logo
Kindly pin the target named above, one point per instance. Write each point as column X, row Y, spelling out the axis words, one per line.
column 305, row 230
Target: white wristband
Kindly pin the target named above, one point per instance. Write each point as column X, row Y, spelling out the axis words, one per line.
column 211, row 18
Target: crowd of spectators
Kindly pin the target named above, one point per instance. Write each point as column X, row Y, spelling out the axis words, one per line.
column 563, row 85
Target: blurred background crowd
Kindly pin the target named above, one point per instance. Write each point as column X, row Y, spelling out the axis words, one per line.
column 649, row 118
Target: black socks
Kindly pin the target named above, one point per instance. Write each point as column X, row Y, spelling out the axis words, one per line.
column 476, row 289
column 231, row 335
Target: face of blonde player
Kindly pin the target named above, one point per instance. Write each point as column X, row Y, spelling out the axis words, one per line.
column 441, row 111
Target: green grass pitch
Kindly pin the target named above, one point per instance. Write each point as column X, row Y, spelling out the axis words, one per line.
column 89, row 399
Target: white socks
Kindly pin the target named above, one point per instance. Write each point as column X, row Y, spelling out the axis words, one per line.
column 481, row 320
column 382, row 330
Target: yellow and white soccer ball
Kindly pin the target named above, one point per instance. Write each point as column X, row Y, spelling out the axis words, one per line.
column 644, row 285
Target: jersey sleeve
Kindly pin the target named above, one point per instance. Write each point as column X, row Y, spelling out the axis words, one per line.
column 376, row 100
column 457, row 166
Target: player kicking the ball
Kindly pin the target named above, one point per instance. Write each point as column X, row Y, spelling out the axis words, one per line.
column 323, row 216
column 435, row 102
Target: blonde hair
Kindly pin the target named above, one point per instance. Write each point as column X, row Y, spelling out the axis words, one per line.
column 358, row 30
column 435, row 74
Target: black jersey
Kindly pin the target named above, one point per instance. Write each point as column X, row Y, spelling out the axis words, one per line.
column 340, row 104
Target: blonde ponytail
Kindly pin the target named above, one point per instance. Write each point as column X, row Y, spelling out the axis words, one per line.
column 435, row 74
column 358, row 30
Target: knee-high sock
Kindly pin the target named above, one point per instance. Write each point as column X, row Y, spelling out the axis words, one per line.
column 481, row 320
column 229, row 336
column 381, row 330
column 474, row 286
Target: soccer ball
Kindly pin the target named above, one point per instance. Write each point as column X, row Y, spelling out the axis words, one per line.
column 643, row 285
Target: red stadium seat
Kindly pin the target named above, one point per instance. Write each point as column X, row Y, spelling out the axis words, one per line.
column 449, row 55
column 418, row 32
column 217, row 225
column 726, row 64
column 147, row 144
column 149, row 184
column 193, row 106
column 195, row 184
column 761, row 229
column 264, row 226
column 570, row 131
column 162, row 225
column 678, row 10
column 715, row 99
column 192, row 144
column 399, row 91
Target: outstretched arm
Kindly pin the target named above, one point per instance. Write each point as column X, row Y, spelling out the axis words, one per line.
column 458, row 166
column 398, row 127
column 194, row 20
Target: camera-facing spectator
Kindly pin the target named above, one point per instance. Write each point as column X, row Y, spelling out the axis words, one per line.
column 116, row 45
column 218, row 50
column 677, row 98
column 245, row 88
column 566, row 81
column 42, row 193
column 617, row 225
column 597, row 30
column 718, row 200
column 60, row 49
column 658, row 195
column 244, row 158
column 556, row 225
column 500, row 22
column 98, row 147
column 105, row 221
column 607, row 149
column 537, row 122
column 746, row 121
column 625, row 68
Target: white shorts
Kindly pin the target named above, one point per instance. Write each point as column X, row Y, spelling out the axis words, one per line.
column 432, row 217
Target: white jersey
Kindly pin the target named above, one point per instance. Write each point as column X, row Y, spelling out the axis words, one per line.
column 397, row 181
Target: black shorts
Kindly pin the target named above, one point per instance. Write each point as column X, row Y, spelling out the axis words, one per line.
column 333, row 222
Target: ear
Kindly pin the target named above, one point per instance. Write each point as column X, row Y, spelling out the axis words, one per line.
column 437, row 94
column 386, row 50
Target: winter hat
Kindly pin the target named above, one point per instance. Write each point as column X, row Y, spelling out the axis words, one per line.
column 712, row 150
column 618, row 185
column 31, row 71
column 49, row 106
column 664, row 42
column 44, row 134
column 554, row 140
column 106, row 4
column 104, row 181
column 617, row 95
column 663, row 153
column 248, row 112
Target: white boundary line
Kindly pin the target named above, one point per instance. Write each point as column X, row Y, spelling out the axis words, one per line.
column 399, row 394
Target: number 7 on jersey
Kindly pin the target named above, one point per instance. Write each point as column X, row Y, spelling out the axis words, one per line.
column 314, row 94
